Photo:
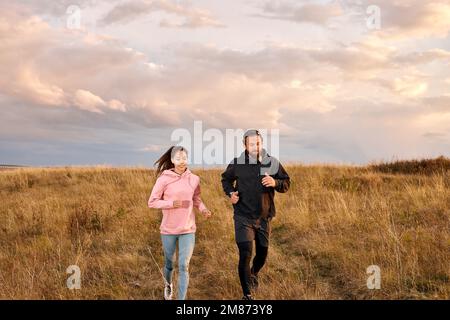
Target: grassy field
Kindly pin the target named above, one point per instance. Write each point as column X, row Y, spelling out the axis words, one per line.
column 333, row 223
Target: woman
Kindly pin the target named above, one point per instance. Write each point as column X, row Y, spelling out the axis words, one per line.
column 176, row 192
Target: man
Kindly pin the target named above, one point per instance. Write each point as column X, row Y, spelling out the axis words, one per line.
column 250, row 181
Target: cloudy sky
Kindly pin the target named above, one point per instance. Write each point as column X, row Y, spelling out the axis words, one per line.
column 106, row 82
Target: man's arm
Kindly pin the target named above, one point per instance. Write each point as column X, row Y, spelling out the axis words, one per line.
column 228, row 179
column 282, row 180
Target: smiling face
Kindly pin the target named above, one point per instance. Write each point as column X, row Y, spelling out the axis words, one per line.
column 254, row 145
column 180, row 161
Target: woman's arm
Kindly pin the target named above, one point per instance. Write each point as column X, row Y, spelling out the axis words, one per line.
column 155, row 201
column 198, row 203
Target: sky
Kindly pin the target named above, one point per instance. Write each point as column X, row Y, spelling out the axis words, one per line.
column 95, row 82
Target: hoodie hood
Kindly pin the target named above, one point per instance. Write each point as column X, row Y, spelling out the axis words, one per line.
column 169, row 176
column 172, row 173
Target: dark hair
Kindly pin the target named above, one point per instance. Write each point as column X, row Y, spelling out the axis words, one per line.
column 251, row 133
column 165, row 161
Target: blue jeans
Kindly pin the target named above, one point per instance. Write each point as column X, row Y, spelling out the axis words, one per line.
column 186, row 243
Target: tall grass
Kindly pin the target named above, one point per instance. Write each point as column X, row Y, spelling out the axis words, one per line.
column 334, row 222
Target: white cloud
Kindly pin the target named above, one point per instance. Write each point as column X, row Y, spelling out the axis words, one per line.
column 409, row 86
column 192, row 17
column 320, row 14
column 53, row 7
column 327, row 96
column 28, row 84
column 401, row 19
column 295, row 84
column 86, row 100
column 117, row 105
column 409, row 19
column 152, row 148
column 422, row 57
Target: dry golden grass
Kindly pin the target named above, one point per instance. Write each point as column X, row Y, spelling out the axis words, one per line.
column 333, row 223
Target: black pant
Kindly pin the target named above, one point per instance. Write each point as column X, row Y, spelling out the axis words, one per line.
column 245, row 255
column 247, row 231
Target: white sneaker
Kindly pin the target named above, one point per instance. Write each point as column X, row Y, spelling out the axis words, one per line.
column 168, row 290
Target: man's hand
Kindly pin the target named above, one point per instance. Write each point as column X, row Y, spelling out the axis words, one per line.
column 207, row 213
column 234, row 197
column 268, row 181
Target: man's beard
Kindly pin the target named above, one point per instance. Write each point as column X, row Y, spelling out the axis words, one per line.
column 255, row 155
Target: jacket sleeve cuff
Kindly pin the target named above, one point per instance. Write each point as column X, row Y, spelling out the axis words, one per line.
column 277, row 183
column 202, row 207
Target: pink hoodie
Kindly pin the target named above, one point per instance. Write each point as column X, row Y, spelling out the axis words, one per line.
column 171, row 186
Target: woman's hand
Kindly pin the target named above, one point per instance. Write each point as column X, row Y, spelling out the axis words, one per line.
column 181, row 203
column 207, row 213
column 177, row 203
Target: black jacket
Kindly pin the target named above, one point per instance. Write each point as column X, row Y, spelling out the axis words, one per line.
column 245, row 174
